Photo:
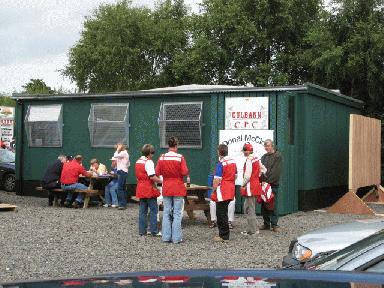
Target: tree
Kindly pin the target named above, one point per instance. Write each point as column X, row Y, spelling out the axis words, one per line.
column 347, row 51
column 127, row 48
column 37, row 86
column 6, row 100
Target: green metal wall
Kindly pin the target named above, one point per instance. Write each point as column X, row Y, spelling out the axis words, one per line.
column 144, row 129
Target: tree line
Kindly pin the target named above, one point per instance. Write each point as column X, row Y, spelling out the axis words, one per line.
column 338, row 45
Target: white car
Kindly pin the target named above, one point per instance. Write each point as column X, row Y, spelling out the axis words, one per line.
column 324, row 241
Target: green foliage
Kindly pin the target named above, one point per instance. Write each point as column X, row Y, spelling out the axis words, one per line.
column 37, row 86
column 7, row 101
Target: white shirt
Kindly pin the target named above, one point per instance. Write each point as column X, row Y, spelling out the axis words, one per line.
column 122, row 160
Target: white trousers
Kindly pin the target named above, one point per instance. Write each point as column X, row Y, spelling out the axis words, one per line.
column 231, row 210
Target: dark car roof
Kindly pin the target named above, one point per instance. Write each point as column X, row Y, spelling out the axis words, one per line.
column 215, row 278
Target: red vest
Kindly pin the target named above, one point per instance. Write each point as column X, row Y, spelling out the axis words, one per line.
column 144, row 188
column 226, row 189
column 173, row 167
column 253, row 187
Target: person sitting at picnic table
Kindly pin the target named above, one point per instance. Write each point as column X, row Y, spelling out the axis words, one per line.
column 51, row 178
column 122, row 161
column 97, row 168
column 146, row 190
column 70, row 180
column 111, row 188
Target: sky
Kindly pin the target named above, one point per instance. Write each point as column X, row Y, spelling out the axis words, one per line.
column 35, row 37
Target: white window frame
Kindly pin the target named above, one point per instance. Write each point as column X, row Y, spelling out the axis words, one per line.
column 28, row 125
column 163, row 122
column 92, row 120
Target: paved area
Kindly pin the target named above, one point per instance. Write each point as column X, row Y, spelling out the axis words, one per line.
column 40, row 242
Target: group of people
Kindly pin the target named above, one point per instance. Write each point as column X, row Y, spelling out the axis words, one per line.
column 166, row 181
column 65, row 173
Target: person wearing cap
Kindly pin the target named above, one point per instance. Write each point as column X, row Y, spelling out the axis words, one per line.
column 146, row 191
column 70, row 180
column 273, row 161
column 251, row 188
column 97, row 168
column 110, row 195
column 223, row 190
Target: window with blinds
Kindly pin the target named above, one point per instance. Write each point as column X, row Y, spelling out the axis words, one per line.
column 108, row 124
column 44, row 125
column 181, row 120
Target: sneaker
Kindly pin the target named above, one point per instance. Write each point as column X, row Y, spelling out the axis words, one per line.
column 264, row 227
column 213, row 224
column 230, row 225
column 275, row 229
column 76, row 204
column 121, row 208
column 106, row 205
column 158, row 234
column 218, row 239
column 67, row 204
column 114, row 206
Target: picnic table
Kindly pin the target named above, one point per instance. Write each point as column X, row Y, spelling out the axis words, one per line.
column 196, row 201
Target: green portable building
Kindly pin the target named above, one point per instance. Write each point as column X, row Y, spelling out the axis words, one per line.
column 309, row 124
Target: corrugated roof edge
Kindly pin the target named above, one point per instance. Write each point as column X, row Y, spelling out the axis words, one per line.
column 199, row 89
column 203, row 89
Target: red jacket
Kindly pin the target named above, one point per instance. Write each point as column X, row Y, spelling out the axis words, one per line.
column 173, row 168
column 143, row 169
column 253, row 187
column 226, row 189
column 71, row 172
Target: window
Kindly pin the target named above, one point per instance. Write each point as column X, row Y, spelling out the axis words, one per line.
column 108, row 124
column 182, row 120
column 44, row 125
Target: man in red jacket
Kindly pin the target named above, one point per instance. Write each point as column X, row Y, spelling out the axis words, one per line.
column 251, row 188
column 173, row 167
column 223, row 190
column 146, row 191
column 70, row 180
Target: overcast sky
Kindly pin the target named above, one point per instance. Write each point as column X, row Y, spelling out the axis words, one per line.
column 35, row 36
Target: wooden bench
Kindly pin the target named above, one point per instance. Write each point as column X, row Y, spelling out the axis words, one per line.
column 88, row 193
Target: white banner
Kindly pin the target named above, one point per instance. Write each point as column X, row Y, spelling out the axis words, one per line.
column 235, row 140
column 246, row 113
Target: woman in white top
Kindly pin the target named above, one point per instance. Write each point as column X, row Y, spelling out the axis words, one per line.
column 122, row 161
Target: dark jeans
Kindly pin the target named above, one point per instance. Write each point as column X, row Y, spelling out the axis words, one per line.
column 51, row 194
column 270, row 217
column 121, row 194
column 150, row 203
column 222, row 219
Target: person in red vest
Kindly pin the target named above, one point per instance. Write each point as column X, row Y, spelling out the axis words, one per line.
column 223, row 190
column 251, row 188
column 173, row 167
column 146, row 191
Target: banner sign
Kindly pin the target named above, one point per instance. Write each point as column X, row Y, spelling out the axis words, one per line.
column 7, row 115
column 246, row 113
column 235, row 140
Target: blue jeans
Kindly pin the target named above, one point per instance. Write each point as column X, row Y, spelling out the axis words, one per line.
column 172, row 216
column 111, row 193
column 150, row 203
column 121, row 194
column 75, row 186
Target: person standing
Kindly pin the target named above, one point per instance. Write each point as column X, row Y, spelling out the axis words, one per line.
column 231, row 213
column 111, row 188
column 70, row 180
column 223, row 190
column 51, row 178
column 122, row 163
column 250, row 188
column 272, row 161
column 146, row 190
column 173, row 168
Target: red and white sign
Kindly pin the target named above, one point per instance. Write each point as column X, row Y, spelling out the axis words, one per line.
column 246, row 113
column 7, row 115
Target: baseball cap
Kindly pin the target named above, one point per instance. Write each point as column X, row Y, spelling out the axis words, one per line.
column 248, row 147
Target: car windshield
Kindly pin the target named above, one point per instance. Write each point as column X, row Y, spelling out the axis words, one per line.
column 6, row 156
column 376, row 238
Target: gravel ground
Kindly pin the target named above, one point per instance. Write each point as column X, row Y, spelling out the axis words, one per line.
column 40, row 242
